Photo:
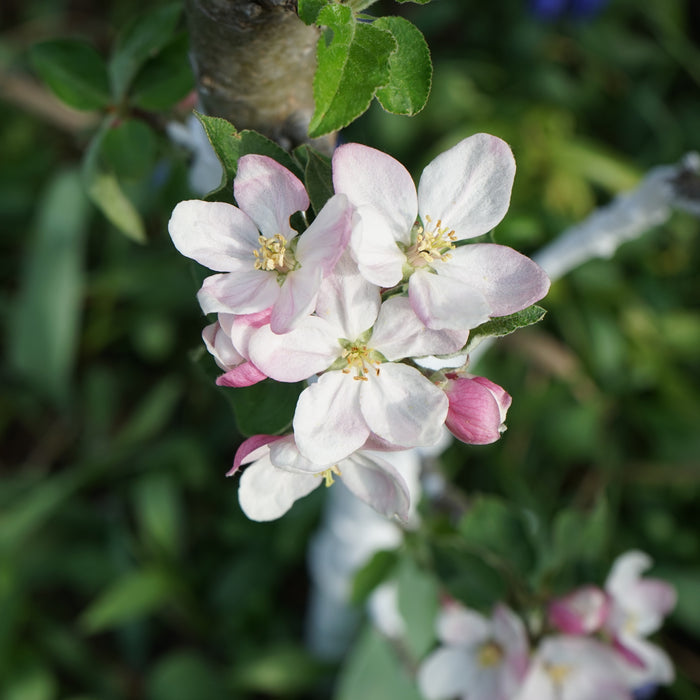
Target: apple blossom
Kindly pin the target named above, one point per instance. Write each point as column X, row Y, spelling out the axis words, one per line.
column 462, row 194
column 481, row 658
column 477, row 408
column 278, row 475
column 362, row 393
column 582, row 611
column 264, row 263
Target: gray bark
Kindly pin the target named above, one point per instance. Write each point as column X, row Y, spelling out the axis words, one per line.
column 254, row 63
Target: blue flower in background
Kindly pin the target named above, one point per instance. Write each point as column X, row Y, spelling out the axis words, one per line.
column 551, row 9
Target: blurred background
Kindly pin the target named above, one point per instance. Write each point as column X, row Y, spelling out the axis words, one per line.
column 126, row 567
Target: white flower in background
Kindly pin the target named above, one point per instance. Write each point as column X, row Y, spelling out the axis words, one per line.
column 462, row 194
column 574, row 668
column 638, row 607
column 278, row 475
column 480, row 658
column 263, row 261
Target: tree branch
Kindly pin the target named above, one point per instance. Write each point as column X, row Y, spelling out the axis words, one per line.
column 254, row 63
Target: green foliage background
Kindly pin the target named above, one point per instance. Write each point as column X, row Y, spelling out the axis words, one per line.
column 126, row 567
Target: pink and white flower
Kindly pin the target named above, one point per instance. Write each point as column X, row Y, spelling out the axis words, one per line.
column 278, row 475
column 574, row 668
column 362, row 393
column 462, row 194
column 264, row 263
column 480, row 658
column 582, row 611
column 477, row 408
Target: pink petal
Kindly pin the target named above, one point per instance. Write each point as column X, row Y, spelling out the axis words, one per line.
column 377, row 483
column 242, row 327
column 328, row 423
column 251, row 449
column 269, row 194
column 508, row 280
column 443, row 302
column 475, row 415
column 245, row 374
column 581, row 612
column 322, row 244
column 215, row 234
column 468, row 187
column 296, row 300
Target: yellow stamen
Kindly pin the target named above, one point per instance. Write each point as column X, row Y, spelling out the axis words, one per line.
column 359, row 358
column 557, row 672
column 432, row 243
column 327, row 475
column 272, row 254
column 489, row 655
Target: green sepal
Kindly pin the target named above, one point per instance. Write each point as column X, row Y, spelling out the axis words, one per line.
column 504, row 325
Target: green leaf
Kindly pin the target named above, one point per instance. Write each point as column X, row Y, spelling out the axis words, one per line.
column 374, row 572
column 165, row 79
column 134, row 595
column 74, row 71
column 504, row 325
column 267, row 407
column 373, row 671
column 318, row 177
column 129, row 149
column 308, row 10
column 353, row 62
column 159, row 513
column 141, row 39
column 497, row 532
column 45, row 324
column 417, row 2
column 410, row 68
column 279, row 672
column 183, row 675
column 229, row 144
column 418, row 605
column 105, row 192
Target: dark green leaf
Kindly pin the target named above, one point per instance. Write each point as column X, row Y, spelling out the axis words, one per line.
column 318, row 177
column 74, row 71
column 43, row 341
column 129, row 149
column 184, row 675
column 267, row 407
column 504, row 325
column 352, row 64
column 308, row 9
column 417, row 2
column 141, row 39
column 374, row 572
column 410, row 68
column 134, row 595
column 165, row 79
column 418, row 605
column 230, row 144
column 159, row 513
column 373, row 671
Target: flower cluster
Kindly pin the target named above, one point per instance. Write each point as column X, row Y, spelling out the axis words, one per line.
column 597, row 646
column 379, row 278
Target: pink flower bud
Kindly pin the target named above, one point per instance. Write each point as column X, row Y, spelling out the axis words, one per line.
column 582, row 611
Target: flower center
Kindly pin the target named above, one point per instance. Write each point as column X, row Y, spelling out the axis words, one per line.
column 274, row 254
column 361, row 359
column 327, row 475
column 557, row 672
column 432, row 242
column 489, row 655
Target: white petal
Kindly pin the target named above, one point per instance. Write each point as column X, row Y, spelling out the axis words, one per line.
column 296, row 300
column 220, row 346
column 445, row 674
column 442, row 302
column 322, row 244
column 215, row 234
column 375, row 180
column 239, row 293
column 328, row 423
column 377, row 483
column 266, row 492
column 508, row 280
column 468, row 187
column 308, row 349
column 347, row 300
column 403, row 407
column 399, row 333
column 460, row 626
column 269, row 194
